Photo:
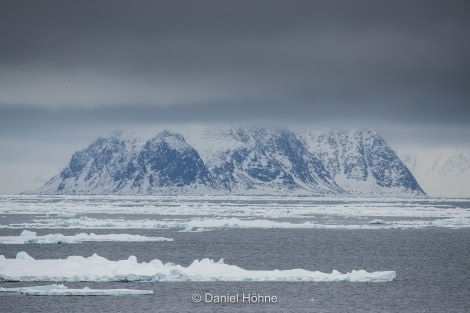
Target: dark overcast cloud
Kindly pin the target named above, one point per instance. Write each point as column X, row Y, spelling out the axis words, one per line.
column 370, row 62
column 71, row 71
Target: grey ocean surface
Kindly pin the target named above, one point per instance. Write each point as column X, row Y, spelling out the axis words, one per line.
column 432, row 266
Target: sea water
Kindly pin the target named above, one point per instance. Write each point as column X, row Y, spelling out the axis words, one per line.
column 432, row 263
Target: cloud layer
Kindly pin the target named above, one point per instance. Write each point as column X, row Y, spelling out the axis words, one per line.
column 387, row 60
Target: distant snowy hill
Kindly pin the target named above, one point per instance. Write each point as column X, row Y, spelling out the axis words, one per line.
column 241, row 161
column 361, row 162
column 443, row 172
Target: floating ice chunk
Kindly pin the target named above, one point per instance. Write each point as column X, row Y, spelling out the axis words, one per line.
column 456, row 222
column 376, row 222
column 65, row 214
column 193, row 230
column 27, row 233
column 96, row 268
column 28, row 237
column 44, row 288
column 24, row 256
column 61, row 290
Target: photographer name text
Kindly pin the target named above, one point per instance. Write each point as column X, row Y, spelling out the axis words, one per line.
column 234, row 298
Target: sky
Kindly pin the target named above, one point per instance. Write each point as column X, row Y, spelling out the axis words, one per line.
column 71, row 71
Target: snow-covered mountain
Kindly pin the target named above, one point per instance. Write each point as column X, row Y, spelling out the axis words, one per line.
column 361, row 162
column 246, row 161
column 121, row 164
column 443, row 172
column 261, row 160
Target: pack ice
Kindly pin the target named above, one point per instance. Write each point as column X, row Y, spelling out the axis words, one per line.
column 96, row 268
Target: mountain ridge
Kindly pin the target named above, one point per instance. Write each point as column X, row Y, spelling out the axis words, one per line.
column 238, row 161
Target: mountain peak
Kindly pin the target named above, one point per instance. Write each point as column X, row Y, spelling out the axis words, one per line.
column 173, row 139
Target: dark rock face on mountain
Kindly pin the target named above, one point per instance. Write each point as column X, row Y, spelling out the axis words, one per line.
column 99, row 167
column 167, row 161
column 255, row 161
column 277, row 159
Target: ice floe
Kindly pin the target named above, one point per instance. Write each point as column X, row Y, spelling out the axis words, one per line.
column 376, row 222
column 29, row 237
column 237, row 206
column 210, row 223
column 211, row 212
column 191, row 229
column 97, row 268
column 62, row 290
